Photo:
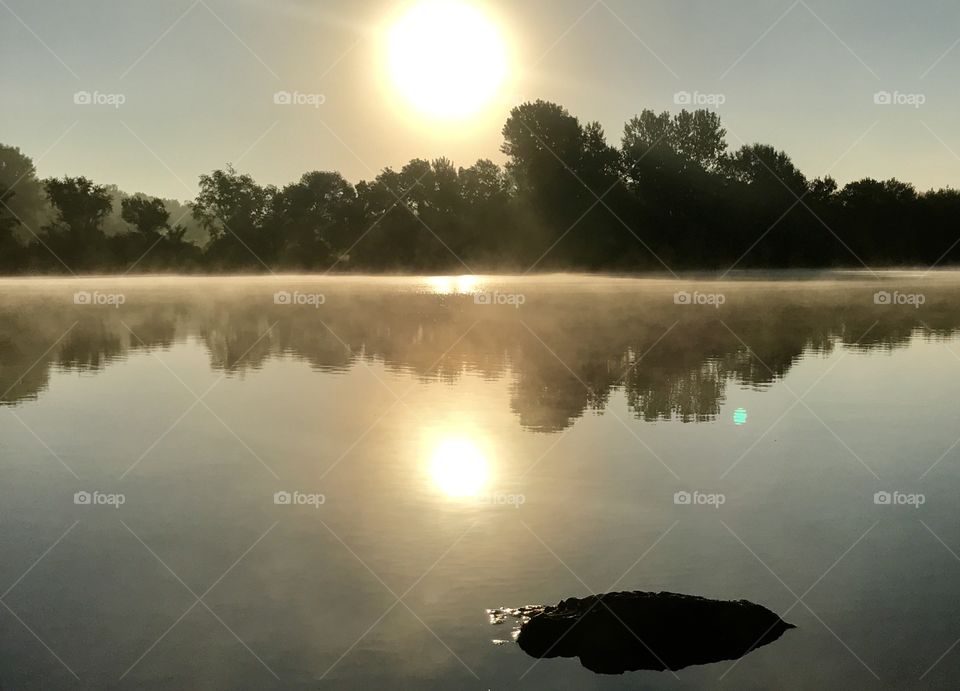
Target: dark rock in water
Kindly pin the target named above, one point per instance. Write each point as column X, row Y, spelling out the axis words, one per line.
column 620, row 632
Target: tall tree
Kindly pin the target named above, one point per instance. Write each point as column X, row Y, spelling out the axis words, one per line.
column 560, row 169
column 490, row 233
column 149, row 217
column 236, row 211
column 23, row 202
column 315, row 218
column 76, row 236
column 765, row 167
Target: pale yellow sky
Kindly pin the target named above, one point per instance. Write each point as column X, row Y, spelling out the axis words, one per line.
column 198, row 79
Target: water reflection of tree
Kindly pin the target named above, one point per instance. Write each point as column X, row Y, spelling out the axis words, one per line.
column 565, row 353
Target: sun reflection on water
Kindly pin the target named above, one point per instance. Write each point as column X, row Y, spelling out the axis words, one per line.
column 458, row 467
column 450, row 285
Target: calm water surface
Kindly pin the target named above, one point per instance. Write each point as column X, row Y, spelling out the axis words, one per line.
column 444, row 454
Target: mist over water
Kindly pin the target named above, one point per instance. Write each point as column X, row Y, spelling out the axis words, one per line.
column 485, row 442
column 565, row 341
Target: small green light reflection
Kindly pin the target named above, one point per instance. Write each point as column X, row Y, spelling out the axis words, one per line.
column 740, row 416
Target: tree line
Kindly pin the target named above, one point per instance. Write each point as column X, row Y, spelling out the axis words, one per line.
column 672, row 196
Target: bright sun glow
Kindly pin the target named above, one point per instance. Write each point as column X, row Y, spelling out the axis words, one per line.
column 458, row 468
column 446, row 58
column 450, row 285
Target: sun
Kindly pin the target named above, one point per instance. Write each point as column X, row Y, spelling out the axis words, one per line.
column 446, row 58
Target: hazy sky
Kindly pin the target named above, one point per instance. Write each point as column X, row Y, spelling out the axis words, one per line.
column 198, row 79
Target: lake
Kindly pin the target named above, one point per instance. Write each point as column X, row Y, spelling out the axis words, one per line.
column 292, row 482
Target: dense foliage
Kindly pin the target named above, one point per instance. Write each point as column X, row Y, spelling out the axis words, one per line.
column 672, row 196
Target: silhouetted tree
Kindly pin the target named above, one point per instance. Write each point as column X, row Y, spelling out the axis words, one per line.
column 490, row 232
column 563, row 174
column 875, row 217
column 153, row 243
column 939, row 242
column 762, row 165
column 76, row 236
column 671, row 166
column 23, row 207
column 149, row 217
column 409, row 218
column 316, row 219
column 235, row 211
